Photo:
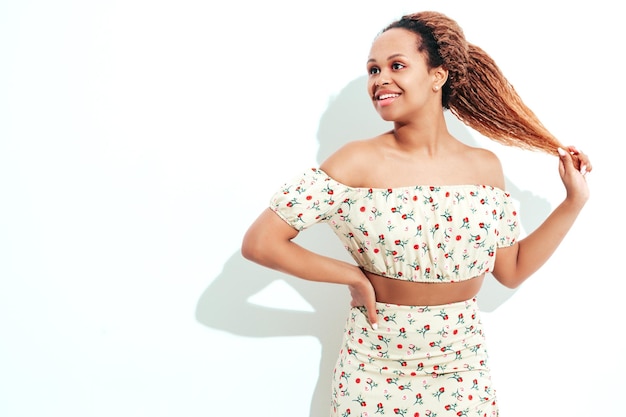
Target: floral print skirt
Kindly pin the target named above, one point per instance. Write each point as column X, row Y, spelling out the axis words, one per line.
column 423, row 361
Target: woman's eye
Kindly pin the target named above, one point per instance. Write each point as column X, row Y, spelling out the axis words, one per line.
column 373, row 70
column 397, row 66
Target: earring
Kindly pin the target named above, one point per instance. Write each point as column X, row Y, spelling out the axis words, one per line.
column 436, row 88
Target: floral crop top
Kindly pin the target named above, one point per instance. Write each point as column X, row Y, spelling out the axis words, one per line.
column 418, row 233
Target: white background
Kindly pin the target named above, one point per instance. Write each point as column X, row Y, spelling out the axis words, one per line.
column 139, row 139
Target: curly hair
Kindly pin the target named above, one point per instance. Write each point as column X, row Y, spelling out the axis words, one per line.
column 476, row 91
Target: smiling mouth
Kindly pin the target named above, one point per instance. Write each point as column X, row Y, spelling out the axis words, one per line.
column 387, row 96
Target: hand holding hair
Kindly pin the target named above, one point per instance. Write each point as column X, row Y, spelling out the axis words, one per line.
column 574, row 165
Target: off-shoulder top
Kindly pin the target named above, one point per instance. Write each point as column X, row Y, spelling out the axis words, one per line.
column 419, row 233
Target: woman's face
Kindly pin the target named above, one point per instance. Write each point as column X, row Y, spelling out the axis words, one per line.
column 400, row 83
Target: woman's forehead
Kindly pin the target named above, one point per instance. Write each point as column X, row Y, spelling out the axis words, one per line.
column 394, row 41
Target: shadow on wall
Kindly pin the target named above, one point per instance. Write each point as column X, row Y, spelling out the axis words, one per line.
column 349, row 116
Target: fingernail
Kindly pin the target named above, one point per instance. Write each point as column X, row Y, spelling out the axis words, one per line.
column 375, row 326
column 560, row 151
column 583, row 169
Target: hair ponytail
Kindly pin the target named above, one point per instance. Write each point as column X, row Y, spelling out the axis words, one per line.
column 489, row 104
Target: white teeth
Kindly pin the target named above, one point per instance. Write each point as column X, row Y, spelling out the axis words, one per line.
column 385, row 96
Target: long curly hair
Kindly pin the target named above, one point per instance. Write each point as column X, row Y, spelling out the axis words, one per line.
column 476, row 91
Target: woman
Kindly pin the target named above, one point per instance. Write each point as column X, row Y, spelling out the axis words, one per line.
column 425, row 217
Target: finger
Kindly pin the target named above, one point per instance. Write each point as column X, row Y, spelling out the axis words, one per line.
column 580, row 159
column 565, row 156
column 569, row 161
column 585, row 163
column 573, row 150
column 372, row 315
column 581, row 162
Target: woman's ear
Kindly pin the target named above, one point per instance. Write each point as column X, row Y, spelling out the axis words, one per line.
column 440, row 75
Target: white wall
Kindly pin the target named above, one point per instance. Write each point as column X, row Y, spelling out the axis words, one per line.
column 139, row 139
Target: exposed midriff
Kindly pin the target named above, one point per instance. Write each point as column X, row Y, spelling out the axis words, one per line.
column 394, row 291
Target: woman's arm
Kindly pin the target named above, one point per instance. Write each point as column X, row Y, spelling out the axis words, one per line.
column 519, row 261
column 269, row 242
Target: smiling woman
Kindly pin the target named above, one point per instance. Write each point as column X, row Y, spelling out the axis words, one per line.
column 424, row 217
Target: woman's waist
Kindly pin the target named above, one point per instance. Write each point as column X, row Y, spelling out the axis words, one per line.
column 404, row 330
column 400, row 292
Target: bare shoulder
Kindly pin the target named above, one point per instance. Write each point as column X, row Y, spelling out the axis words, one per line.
column 488, row 167
column 349, row 163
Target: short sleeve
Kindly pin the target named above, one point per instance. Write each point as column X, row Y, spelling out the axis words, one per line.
column 307, row 199
column 508, row 224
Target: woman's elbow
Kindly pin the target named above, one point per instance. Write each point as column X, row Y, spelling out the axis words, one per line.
column 509, row 282
column 252, row 248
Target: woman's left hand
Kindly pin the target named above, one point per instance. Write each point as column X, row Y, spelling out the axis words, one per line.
column 574, row 165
